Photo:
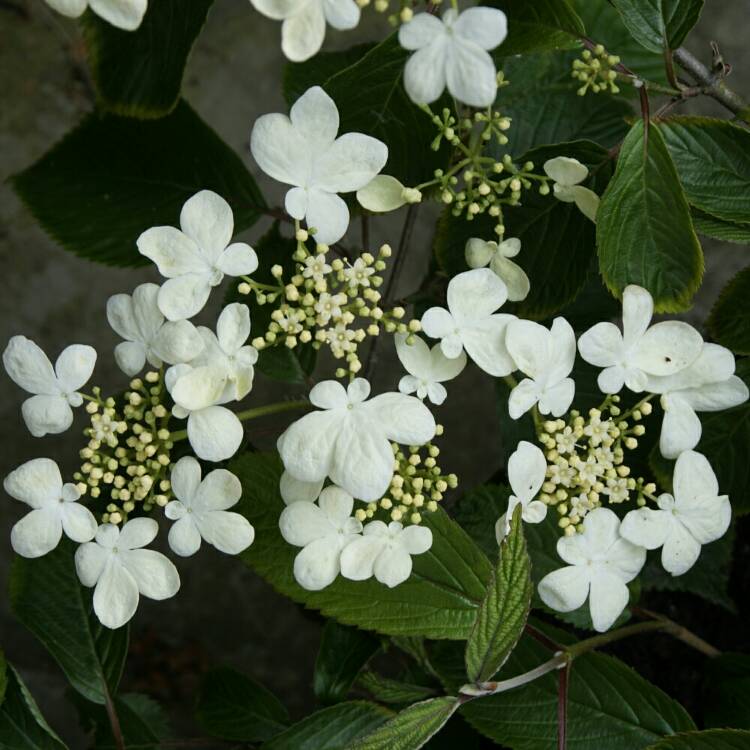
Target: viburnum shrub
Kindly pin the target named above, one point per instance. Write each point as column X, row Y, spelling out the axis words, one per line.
column 569, row 194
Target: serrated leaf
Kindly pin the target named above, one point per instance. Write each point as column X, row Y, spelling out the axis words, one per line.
column 711, row 739
column 112, row 178
column 643, row 231
column 659, row 24
column 438, row 601
column 139, row 73
column 729, row 321
column 46, row 596
column 726, row 691
column 710, row 226
column 387, row 690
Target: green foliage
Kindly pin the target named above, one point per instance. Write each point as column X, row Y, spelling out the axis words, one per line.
column 659, row 24
column 3, row 676
column 712, row 739
column 438, row 601
column 111, row 178
column 729, row 321
column 234, row 707
column 139, row 73
column 644, row 233
column 726, row 691
column 709, row 226
column 46, row 596
column 386, row 690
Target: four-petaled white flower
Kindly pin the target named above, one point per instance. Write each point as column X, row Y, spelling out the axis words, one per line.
column 385, row 552
column 304, row 27
column 121, row 571
column 600, row 565
column 453, row 51
column 55, row 390
column 147, row 335
column 471, row 323
column 124, row 14
column 547, row 357
column 196, row 259
column 316, row 267
column 696, row 514
column 567, row 174
column 358, row 274
column 638, row 352
column 329, row 306
column 480, row 253
column 322, row 530
column 349, row 440
column 302, row 150
column 428, row 368
column 201, row 510
column 526, row 471
column 38, row 483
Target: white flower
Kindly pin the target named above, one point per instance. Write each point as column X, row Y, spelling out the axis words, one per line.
column 547, row 357
column 453, row 51
column 55, row 390
column 120, row 570
column 302, row 150
column 322, row 530
column 696, row 514
column 201, row 510
column 304, row 26
column 147, row 335
column 357, row 274
column 600, row 564
column 349, row 440
column 329, row 306
column 480, row 253
column 385, row 193
column 316, row 267
column 385, row 552
column 195, row 259
column 526, row 471
column 124, row 14
column 568, row 174
column 293, row 490
column 54, row 509
column 469, row 322
column 427, row 368
column 638, row 352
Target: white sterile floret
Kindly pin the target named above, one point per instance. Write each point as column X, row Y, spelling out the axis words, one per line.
column 453, row 51
column 639, row 351
column 428, row 368
column 385, row 193
column 497, row 256
column 349, row 439
column 708, row 384
column 568, row 174
column 547, row 357
column 696, row 514
column 293, row 490
column 148, row 336
column 470, row 322
column 600, row 565
column 201, row 510
column 196, row 258
column 54, row 509
column 124, row 14
column 302, row 150
column 322, row 530
column 526, row 471
column 121, row 571
column 304, row 22
column 55, row 389
column 384, row 552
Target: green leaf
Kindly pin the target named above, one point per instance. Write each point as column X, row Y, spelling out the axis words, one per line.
column 411, row 728
column 343, row 652
column 710, row 226
column 659, row 24
column 112, row 178
column 726, row 691
column 712, row 158
column 712, row 739
column 46, row 596
column 729, row 322
column 386, row 690
column 3, row 676
column 502, row 615
column 332, row 728
column 643, row 230
column 234, row 707
column 139, row 73
column 438, row 601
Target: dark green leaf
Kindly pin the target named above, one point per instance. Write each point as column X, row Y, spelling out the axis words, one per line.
column 643, row 230
column 726, row 691
column 478, row 510
column 709, row 226
column 386, row 690
column 659, row 24
column 3, row 676
column 139, row 73
column 46, row 596
column 712, row 739
column 112, row 178
column 729, row 321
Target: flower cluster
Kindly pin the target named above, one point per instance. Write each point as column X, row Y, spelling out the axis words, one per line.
column 596, row 71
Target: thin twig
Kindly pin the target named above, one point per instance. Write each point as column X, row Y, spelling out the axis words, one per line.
column 537, row 635
column 114, row 720
column 680, row 632
column 563, row 681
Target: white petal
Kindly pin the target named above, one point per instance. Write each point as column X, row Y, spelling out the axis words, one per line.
column 341, row 14
column 586, row 200
column 350, row 163
column 625, row 559
column 566, row 171
column 74, row 367
column 121, row 316
column 392, row 566
column 177, row 341
column 714, row 364
column 415, row 357
column 230, row 533
column 207, row 219
column 424, row 74
column 479, row 253
column 185, row 479
column 443, row 368
column 420, row 31
column 215, row 433
column 37, row 483
column 486, row 27
column 29, row 367
column 358, row 557
column 317, row 565
column 130, row 357
column 562, row 350
column 409, row 384
column 484, row 342
column 680, row 428
column 219, row 491
column 184, row 538
column 295, row 203
column 199, row 388
column 276, row 9
column 174, row 510
column 116, row 595
column 90, row 559
column 526, row 470
column 470, row 73
column 475, row 295
column 601, row 530
column 306, row 447
column 452, row 346
column 301, row 523
column 680, row 551
column 154, row 573
column 565, row 589
column 47, row 415
column 646, row 527
column 601, row 345
column 416, row 539
column 302, row 34
column 522, row 398
column 69, row 8
column 279, row 149
column 438, row 323
column 556, row 399
column 529, row 344
column 316, row 118
column 233, row 327
column 612, row 380
column 137, row 533
column 174, row 253
column 403, row 419
column 328, row 215
column 329, row 394
column 637, row 310
column 184, row 296
column 124, row 14
column 437, row 393
column 381, row 194
column 337, row 504
column 37, row 533
column 534, row 512
column 513, row 276
column 716, row 396
column 78, row 522
column 239, row 259
column 667, row 348
column 607, row 599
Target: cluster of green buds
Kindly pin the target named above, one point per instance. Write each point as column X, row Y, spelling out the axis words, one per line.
column 417, row 487
column 586, row 461
column 127, row 458
column 334, row 304
column 596, row 70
